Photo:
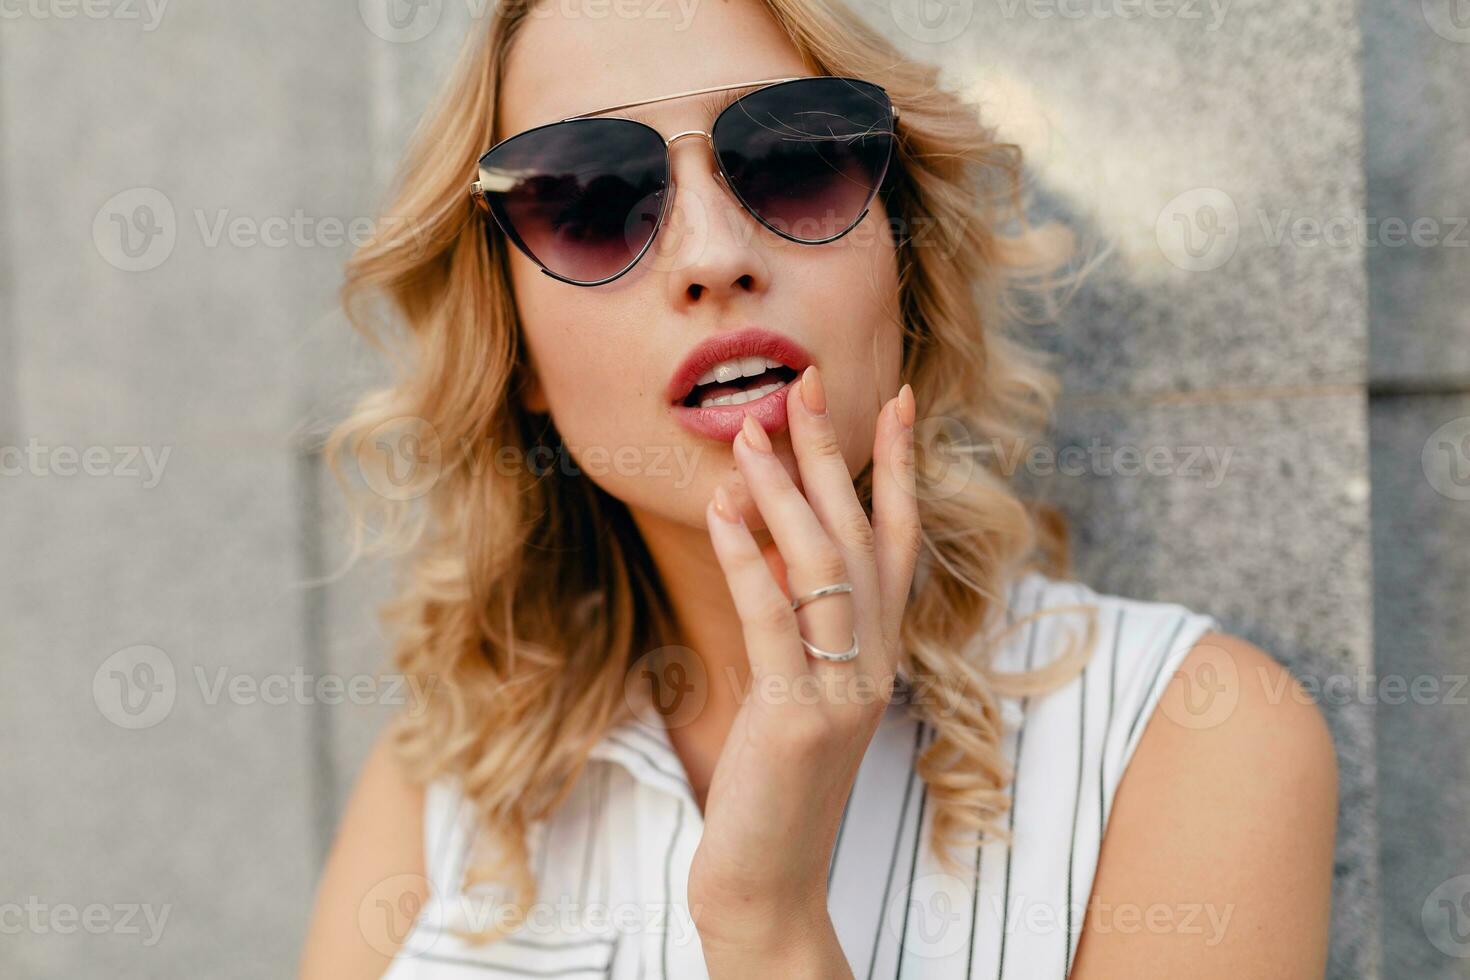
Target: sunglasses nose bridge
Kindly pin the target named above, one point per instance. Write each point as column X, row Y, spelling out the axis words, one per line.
column 718, row 174
column 688, row 133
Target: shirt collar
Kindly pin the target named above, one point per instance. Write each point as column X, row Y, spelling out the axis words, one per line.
column 641, row 744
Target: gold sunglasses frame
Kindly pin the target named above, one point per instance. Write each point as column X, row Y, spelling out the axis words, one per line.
column 475, row 187
column 477, row 190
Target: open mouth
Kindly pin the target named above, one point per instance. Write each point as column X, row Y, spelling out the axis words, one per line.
column 734, row 375
column 756, row 380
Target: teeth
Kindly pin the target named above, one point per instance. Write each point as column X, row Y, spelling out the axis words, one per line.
column 741, row 397
column 736, row 367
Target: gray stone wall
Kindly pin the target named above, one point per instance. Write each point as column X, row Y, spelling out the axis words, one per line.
column 176, row 184
column 1417, row 159
column 1212, row 444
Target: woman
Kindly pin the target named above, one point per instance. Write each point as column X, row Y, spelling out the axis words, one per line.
column 736, row 660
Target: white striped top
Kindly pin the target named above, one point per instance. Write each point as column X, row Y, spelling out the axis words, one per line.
column 612, row 863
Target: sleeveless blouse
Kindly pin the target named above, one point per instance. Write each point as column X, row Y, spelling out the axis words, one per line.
column 612, row 863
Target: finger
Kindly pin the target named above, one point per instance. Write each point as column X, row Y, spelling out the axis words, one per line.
column 896, row 529
column 777, row 565
column 767, row 621
column 812, row 558
column 825, row 477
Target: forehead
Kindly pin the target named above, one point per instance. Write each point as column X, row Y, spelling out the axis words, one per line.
column 577, row 56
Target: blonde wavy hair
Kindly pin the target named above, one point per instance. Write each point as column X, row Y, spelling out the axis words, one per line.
column 521, row 619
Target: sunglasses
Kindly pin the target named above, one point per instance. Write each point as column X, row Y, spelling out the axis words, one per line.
column 583, row 197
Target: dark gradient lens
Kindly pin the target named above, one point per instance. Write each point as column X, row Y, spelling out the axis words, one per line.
column 806, row 157
column 582, row 198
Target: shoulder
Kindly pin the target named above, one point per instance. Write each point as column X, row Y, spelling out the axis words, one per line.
column 376, row 861
column 1175, row 681
column 1235, row 718
column 1228, row 807
column 1238, row 721
column 1232, row 700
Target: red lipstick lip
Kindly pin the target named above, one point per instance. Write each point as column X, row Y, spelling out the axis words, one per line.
column 749, row 342
column 723, row 422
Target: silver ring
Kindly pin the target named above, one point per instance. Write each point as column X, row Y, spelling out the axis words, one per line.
column 821, row 654
column 802, row 600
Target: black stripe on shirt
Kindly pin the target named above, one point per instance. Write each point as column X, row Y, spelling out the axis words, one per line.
column 903, row 814
column 520, row 971
column 979, row 854
column 1076, row 809
column 903, row 930
column 974, row 911
column 1102, row 764
column 1005, row 908
column 554, row 944
column 643, row 734
column 651, row 763
column 613, row 960
column 1154, row 676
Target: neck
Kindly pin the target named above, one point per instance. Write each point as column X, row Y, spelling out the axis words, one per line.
column 708, row 624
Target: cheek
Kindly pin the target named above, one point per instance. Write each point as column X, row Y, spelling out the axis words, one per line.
column 557, row 327
column 855, row 295
column 591, row 360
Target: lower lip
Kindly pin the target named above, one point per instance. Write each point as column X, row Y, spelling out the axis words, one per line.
column 723, row 422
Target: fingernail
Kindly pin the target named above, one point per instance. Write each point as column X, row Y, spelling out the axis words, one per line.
column 813, row 396
column 755, row 436
column 724, row 507
column 906, row 407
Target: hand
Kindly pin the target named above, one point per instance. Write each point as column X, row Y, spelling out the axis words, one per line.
column 791, row 757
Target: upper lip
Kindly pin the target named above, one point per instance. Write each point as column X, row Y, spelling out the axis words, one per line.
column 749, row 342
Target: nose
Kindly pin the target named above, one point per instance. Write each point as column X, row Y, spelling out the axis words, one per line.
column 712, row 251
